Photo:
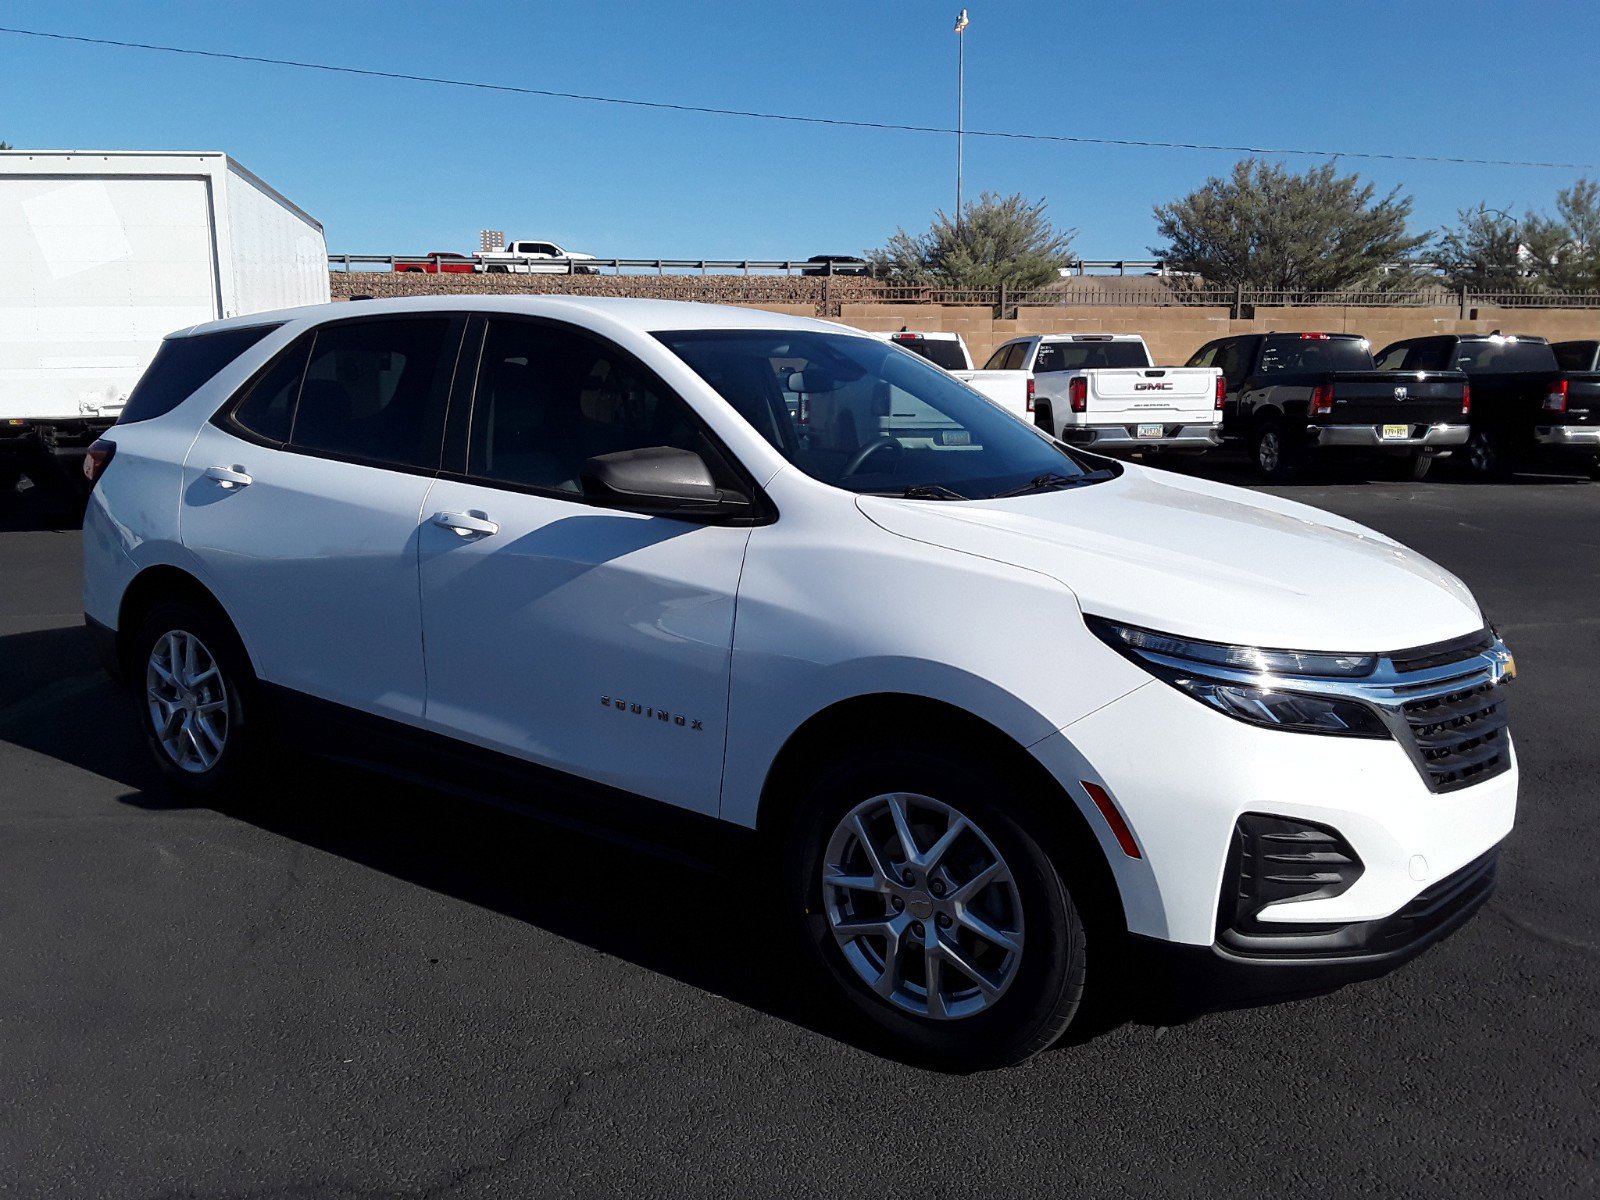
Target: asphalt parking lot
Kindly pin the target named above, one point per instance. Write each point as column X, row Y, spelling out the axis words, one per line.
column 355, row 988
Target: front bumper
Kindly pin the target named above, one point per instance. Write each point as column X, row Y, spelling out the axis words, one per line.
column 1182, row 776
column 1226, row 973
column 1422, row 437
column 1571, row 437
column 1126, row 437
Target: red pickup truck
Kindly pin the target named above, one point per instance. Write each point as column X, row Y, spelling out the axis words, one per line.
column 437, row 262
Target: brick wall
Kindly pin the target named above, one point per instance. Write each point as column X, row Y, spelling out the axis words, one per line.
column 1173, row 332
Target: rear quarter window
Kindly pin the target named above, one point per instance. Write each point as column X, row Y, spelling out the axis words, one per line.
column 182, row 366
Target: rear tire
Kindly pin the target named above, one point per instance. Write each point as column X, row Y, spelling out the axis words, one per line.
column 1485, row 456
column 1414, row 467
column 1275, row 459
column 196, row 699
column 1031, row 961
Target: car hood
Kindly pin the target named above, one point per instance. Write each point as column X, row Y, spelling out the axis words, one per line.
column 1205, row 560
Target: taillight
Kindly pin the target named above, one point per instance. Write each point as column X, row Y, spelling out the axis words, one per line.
column 1222, row 391
column 1078, row 394
column 1316, row 337
column 1322, row 400
column 1030, row 393
column 1556, row 398
column 1466, row 398
column 97, row 460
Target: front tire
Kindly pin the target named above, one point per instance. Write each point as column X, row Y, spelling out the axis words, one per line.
column 195, row 697
column 930, row 906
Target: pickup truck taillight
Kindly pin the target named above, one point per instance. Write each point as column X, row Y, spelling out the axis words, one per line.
column 1078, row 394
column 1222, row 392
column 1030, row 393
column 1466, row 399
column 97, row 460
column 1555, row 399
column 1322, row 400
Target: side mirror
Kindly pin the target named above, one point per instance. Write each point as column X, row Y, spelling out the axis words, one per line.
column 658, row 477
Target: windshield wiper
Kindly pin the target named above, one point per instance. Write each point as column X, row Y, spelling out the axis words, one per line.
column 1051, row 481
column 930, row 491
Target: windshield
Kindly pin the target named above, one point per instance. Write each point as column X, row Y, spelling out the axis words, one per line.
column 944, row 352
column 856, row 413
column 1503, row 356
column 1089, row 356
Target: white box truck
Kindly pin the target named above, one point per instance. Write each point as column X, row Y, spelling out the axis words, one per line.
column 102, row 254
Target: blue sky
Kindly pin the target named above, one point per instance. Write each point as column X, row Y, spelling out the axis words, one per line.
column 394, row 167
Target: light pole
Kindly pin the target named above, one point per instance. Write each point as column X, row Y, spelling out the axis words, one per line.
column 961, row 106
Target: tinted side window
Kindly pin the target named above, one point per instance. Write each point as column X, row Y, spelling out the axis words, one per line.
column 549, row 399
column 1206, row 356
column 1234, row 359
column 1017, row 356
column 1576, row 356
column 1431, row 355
column 997, row 360
column 1393, row 358
column 182, row 365
column 375, row 391
column 265, row 410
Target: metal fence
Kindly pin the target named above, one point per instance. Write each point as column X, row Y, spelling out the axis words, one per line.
column 855, row 282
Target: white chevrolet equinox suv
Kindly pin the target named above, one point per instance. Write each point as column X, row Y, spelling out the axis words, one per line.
column 1004, row 718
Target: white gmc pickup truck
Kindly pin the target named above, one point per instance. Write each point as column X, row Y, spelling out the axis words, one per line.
column 1011, row 390
column 1103, row 391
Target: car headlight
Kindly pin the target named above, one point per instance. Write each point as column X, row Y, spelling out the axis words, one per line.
column 1272, row 688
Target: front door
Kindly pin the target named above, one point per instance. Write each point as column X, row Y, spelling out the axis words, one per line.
column 586, row 639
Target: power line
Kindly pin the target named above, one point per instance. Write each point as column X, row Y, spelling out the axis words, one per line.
column 793, row 118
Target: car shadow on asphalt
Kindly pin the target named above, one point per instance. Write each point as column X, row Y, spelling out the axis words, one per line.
column 659, row 913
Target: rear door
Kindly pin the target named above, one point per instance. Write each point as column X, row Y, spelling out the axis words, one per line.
column 301, row 499
column 586, row 639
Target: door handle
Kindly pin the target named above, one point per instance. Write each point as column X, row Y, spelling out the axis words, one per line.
column 228, row 477
column 465, row 524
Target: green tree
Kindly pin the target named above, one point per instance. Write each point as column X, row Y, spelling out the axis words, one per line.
column 1001, row 240
column 1574, row 263
column 1267, row 228
column 1487, row 250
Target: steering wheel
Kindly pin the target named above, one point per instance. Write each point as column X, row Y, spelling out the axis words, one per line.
column 859, row 459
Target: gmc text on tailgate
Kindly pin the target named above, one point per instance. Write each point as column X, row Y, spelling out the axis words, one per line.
column 1531, row 401
column 1293, row 394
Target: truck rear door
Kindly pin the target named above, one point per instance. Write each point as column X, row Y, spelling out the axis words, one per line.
column 1159, row 395
column 1395, row 398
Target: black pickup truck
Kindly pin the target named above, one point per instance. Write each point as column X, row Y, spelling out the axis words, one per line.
column 1530, row 400
column 1293, row 394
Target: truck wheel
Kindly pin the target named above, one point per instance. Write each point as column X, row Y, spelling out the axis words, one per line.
column 1274, row 457
column 1485, row 456
column 1414, row 467
column 496, row 268
column 196, row 699
column 928, row 905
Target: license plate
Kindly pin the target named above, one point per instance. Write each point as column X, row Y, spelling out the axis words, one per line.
column 1396, row 431
column 1151, row 431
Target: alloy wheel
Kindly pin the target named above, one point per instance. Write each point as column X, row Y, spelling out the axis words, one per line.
column 1268, row 451
column 187, row 699
column 1481, row 453
column 923, row 906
